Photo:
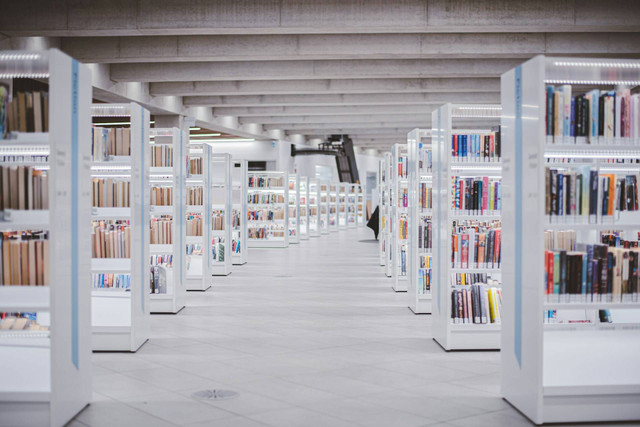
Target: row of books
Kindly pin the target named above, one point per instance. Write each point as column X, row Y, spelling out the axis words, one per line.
column 161, row 196
column 107, row 142
column 616, row 240
column 476, row 148
column 162, row 155
column 589, row 193
column 165, row 260
column 425, row 196
column 476, row 245
column 596, row 117
column 25, row 258
column 466, row 279
column 111, row 280
column 217, row 249
column 24, row 188
column 473, row 196
column 265, row 182
column 195, row 196
column 20, row 322
column 403, row 197
column 194, row 249
column 110, row 239
column 110, row 193
column 425, row 160
column 403, row 167
column 265, row 198
column 560, row 239
column 194, row 225
column 479, row 304
column 595, row 273
column 195, row 166
column 10, row 158
column 425, row 234
column 265, row 232
column 158, row 279
column 402, row 261
column 403, row 227
column 235, row 246
column 26, row 111
column 161, row 233
column 235, row 219
column 217, row 220
column 424, row 274
column 292, row 212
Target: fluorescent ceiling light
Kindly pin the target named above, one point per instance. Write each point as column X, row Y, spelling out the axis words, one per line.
column 201, row 135
column 194, row 128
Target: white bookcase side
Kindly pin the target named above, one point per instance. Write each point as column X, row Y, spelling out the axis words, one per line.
column 239, row 248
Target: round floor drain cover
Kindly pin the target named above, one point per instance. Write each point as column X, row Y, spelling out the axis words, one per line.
column 214, row 394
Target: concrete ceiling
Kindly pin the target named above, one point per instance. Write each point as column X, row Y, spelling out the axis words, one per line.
column 303, row 69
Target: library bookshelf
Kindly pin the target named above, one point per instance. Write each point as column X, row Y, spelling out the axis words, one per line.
column 294, row 208
column 382, row 211
column 303, row 190
column 333, row 206
column 198, row 219
column 554, row 370
column 399, row 238
column 388, row 215
column 220, row 195
column 239, row 233
column 361, row 205
column 168, row 148
column 314, row 208
column 461, row 177
column 46, row 373
column 342, row 189
column 120, row 312
column 268, row 209
column 352, row 190
column 420, row 216
column 325, row 206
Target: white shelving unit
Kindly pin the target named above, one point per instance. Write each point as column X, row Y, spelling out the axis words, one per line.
column 446, row 121
column 420, row 221
column 557, row 373
column 399, row 237
column 175, row 177
column 46, row 375
column 333, row 206
column 325, row 196
column 314, row 208
column 352, row 190
column 120, row 317
column 303, row 185
column 342, row 188
column 239, row 247
column 361, row 205
column 388, row 199
column 221, row 212
column 294, row 208
column 266, row 232
column 382, row 223
column 198, row 275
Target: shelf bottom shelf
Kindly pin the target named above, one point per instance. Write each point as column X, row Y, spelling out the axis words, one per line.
column 471, row 337
column 115, row 338
column 422, row 305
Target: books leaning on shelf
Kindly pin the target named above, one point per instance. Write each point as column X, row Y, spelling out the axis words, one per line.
column 111, row 239
column 158, row 270
column 217, row 220
column 403, row 197
column 403, row 169
column 110, row 193
column 479, row 304
column 424, row 274
column 264, row 182
column 20, row 322
column 235, row 219
column 217, row 248
column 425, row 196
column 194, row 225
column 111, row 280
column 26, row 111
column 195, row 166
column 473, row 196
column 161, row 196
column 194, row 249
column 194, row 196
column 161, row 231
column 261, row 233
column 589, row 194
column 596, row 117
column 477, row 148
column 403, row 227
column 476, row 244
column 161, row 155
column 425, row 234
column 235, row 246
column 265, row 214
column 25, row 258
column 265, row 198
column 591, row 273
column 24, row 188
column 108, row 142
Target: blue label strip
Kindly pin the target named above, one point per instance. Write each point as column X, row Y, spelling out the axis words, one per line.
column 518, row 213
column 143, row 226
column 439, row 202
column 74, row 214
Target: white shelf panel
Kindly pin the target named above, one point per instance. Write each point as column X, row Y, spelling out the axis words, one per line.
column 465, row 327
column 591, row 306
column 161, row 210
column 110, row 213
column 19, row 219
column 111, row 264
column 25, row 138
column 24, row 298
column 478, row 216
column 160, row 170
column 195, row 239
column 160, row 249
column 217, row 232
column 195, row 208
column 591, row 227
column 476, row 270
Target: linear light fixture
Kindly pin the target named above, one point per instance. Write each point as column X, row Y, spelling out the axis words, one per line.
column 594, row 82
column 597, row 64
column 202, row 135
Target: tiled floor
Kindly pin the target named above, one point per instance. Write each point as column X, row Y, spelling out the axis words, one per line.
column 311, row 335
